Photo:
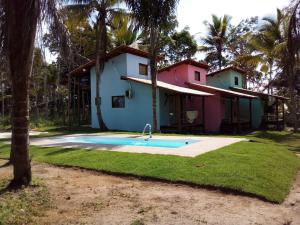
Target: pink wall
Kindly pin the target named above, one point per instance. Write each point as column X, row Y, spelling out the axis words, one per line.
column 191, row 74
column 177, row 75
column 182, row 73
column 214, row 107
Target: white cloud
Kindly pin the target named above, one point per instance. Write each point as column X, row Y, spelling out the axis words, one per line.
column 193, row 13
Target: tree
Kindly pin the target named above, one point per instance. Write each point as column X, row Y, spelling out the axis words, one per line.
column 19, row 22
column 18, row 26
column 239, row 51
column 123, row 31
column 105, row 10
column 292, row 62
column 179, row 46
column 215, row 42
column 153, row 16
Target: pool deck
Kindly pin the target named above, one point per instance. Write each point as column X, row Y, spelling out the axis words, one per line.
column 204, row 144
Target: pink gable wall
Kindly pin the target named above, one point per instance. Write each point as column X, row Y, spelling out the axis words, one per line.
column 177, row 75
column 214, row 107
column 191, row 74
column 182, row 73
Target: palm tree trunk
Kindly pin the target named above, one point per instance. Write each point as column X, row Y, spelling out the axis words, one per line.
column 101, row 46
column 2, row 94
column 153, row 69
column 220, row 57
column 22, row 17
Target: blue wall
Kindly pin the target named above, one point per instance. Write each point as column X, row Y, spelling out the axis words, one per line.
column 138, row 110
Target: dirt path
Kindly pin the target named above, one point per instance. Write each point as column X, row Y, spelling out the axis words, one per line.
column 82, row 197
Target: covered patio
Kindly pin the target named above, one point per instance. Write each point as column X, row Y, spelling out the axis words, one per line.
column 274, row 111
column 235, row 118
column 181, row 110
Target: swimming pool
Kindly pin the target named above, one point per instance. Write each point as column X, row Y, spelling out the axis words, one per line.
column 128, row 141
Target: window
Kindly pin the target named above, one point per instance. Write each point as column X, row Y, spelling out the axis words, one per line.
column 197, row 76
column 118, row 101
column 236, row 81
column 143, row 69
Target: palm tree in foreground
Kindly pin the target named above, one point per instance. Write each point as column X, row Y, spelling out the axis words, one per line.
column 18, row 26
column 153, row 16
column 214, row 44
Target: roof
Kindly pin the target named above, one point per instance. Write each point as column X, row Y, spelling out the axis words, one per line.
column 113, row 53
column 188, row 62
column 234, row 68
column 225, row 92
column 256, row 93
column 167, row 86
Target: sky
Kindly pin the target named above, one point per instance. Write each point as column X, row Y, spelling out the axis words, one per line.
column 193, row 13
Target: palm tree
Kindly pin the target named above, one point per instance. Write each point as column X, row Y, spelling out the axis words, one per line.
column 292, row 62
column 20, row 19
column 153, row 16
column 105, row 10
column 123, row 31
column 18, row 26
column 214, row 44
column 267, row 46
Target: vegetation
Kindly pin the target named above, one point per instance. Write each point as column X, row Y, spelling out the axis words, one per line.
column 216, row 40
column 30, row 86
column 153, row 16
column 264, row 168
column 22, row 206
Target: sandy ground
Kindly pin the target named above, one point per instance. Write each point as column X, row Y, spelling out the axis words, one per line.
column 84, row 197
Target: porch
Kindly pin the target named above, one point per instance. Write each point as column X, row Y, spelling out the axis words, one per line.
column 186, row 113
column 234, row 117
column 273, row 109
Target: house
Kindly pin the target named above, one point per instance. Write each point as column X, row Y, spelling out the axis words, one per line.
column 267, row 111
column 219, row 115
column 126, row 95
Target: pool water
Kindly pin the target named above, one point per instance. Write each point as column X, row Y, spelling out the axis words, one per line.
column 129, row 141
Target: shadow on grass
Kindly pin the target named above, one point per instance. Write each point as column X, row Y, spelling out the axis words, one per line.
column 61, row 151
column 289, row 139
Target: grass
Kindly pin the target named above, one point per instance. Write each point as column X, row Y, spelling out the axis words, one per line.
column 22, row 206
column 265, row 168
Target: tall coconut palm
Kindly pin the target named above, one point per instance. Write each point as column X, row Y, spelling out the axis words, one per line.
column 153, row 16
column 292, row 63
column 105, row 10
column 123, row 31
column 267, row 46
column 18, row 26
column 214, row 43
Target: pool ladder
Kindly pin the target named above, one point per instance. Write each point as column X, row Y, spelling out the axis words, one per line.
column 150, row 134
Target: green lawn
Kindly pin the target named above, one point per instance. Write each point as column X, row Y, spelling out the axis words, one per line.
column 264, row 168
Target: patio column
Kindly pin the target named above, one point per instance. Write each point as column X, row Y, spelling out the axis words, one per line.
column 69, row 100
column 231, row 111
column 203, row 113
column 250, row 112
column 179, row 113
column 78, row 100
column 283, row 114
column 238, row 115
column 277, row 114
